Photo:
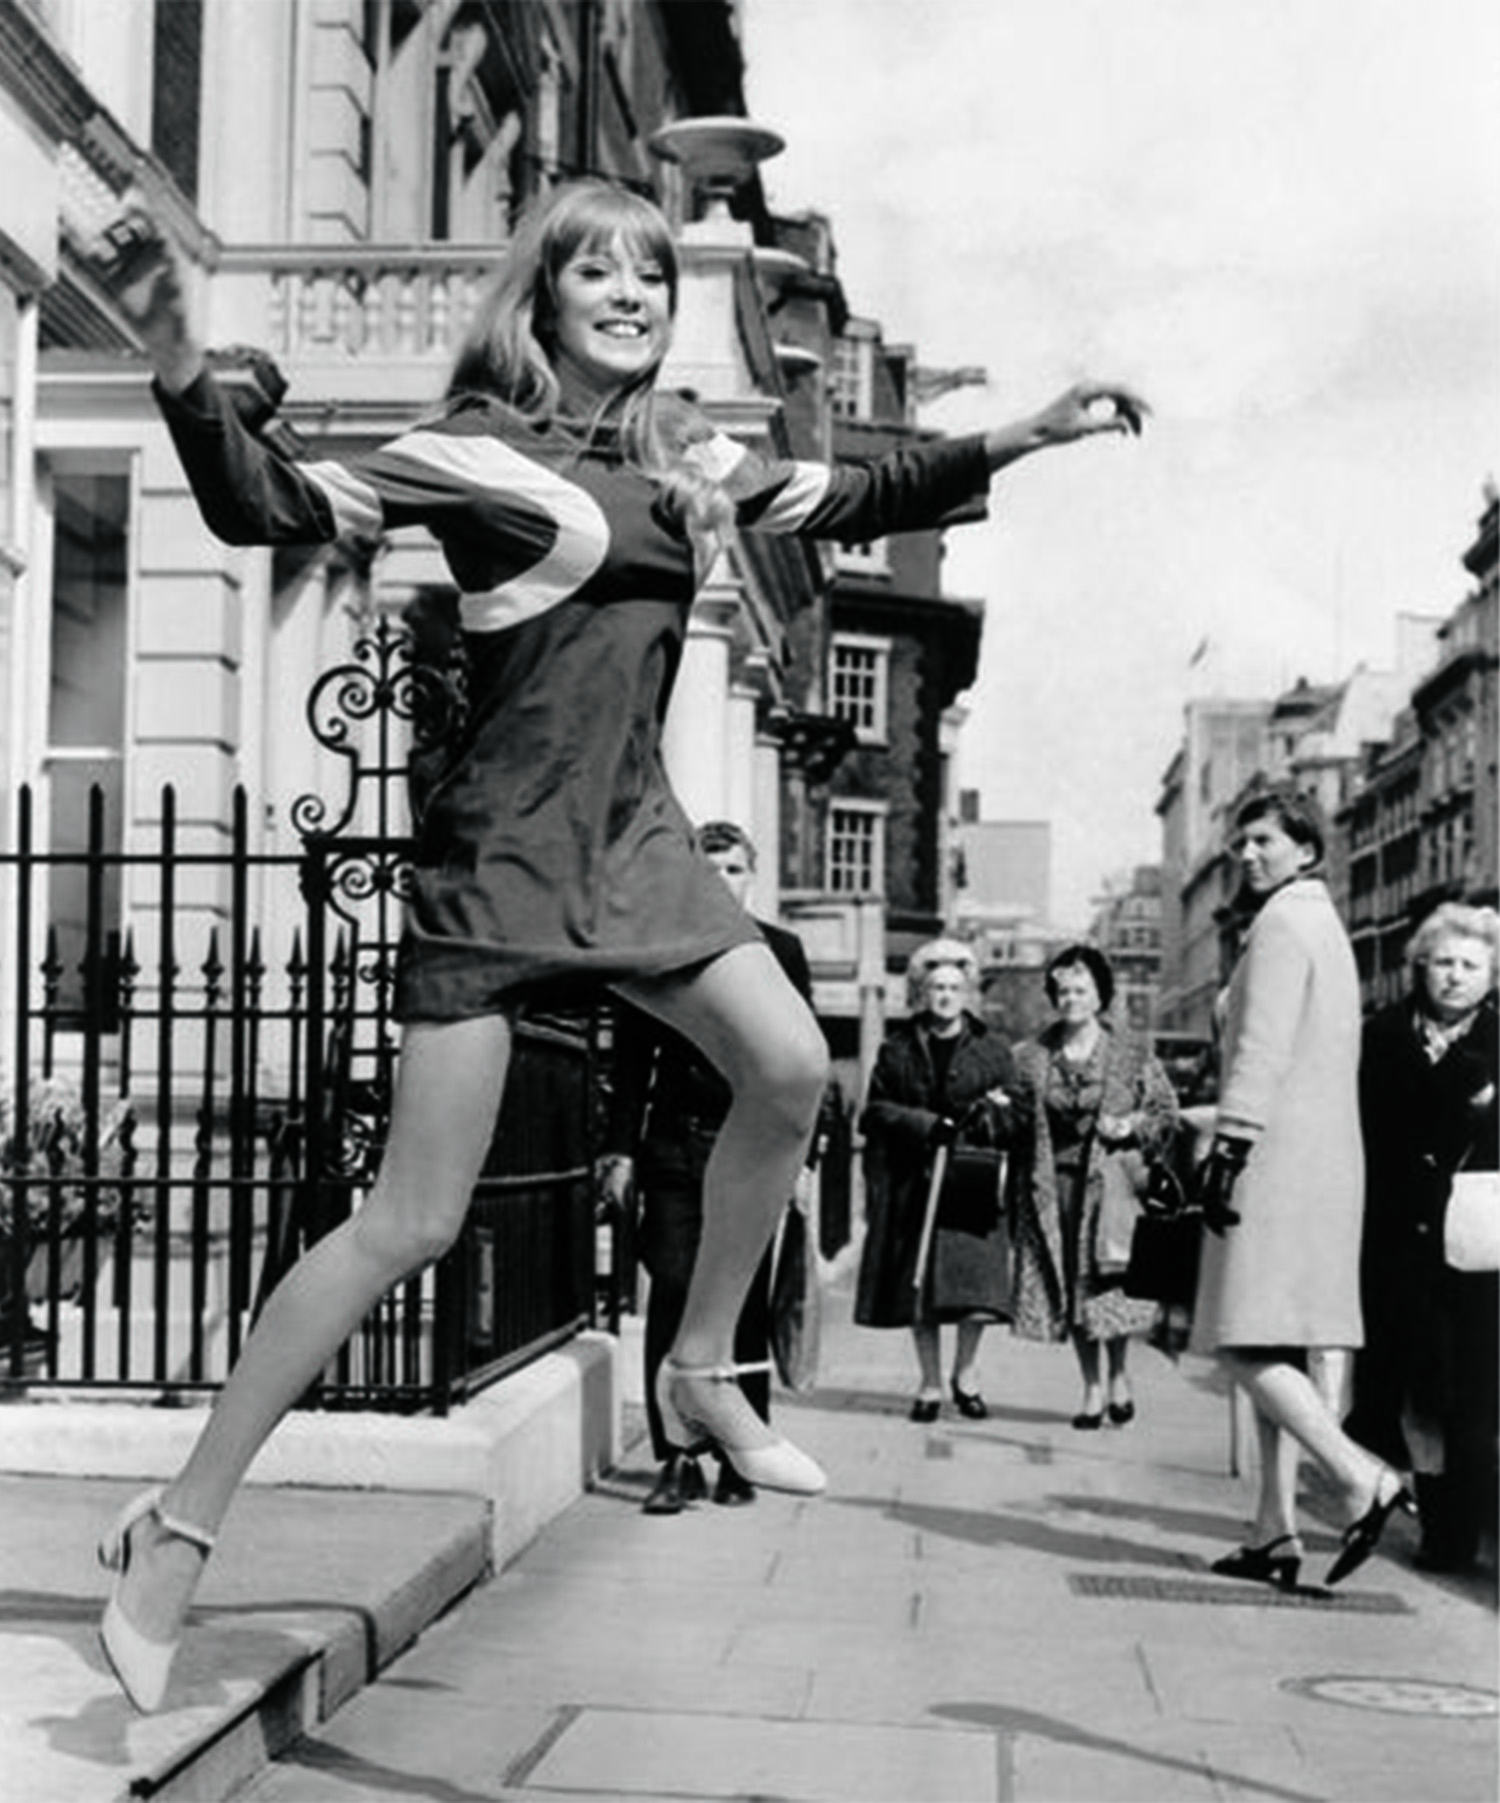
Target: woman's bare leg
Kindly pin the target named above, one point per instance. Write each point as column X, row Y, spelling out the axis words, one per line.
column 1276, row 1503
column 1117, row 1357
column 1285, row 1396
column 924, row 1337
column 1086, row 1351
column 447, row 1093
column 966, row 1354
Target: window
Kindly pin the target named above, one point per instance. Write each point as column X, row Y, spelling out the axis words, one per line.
column 857, row 685
column 856, row 848
column 852, row 390
column 86, row 702
column 863, row 560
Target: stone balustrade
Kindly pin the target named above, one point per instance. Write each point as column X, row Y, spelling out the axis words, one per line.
column 355, row 302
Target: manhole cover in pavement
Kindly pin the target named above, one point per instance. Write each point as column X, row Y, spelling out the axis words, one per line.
column 1398, row 1696
column 1241, row 1596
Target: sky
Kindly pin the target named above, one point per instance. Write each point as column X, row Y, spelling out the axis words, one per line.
column 1279, row 220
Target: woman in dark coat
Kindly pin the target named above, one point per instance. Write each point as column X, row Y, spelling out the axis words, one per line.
column 1090, row 1105
column 1425, row 1394
column 940, row 1072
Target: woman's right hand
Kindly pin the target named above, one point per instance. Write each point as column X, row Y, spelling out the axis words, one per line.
column 138, row 268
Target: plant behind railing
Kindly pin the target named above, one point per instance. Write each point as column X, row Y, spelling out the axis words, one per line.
column 194, row 1126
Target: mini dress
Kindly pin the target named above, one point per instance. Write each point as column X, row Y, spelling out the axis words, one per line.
column 550, row 850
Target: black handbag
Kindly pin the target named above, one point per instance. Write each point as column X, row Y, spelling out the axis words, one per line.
column 970, row 1201
column 1166, row 1244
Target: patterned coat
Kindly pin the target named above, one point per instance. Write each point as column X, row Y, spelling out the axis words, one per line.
column 1044, row 1306
column 1288, row 1274
column 967, row 1271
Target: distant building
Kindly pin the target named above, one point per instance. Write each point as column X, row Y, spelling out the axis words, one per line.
column 863, row 842
column 1314, row 735
column 1224, row 744
column 1127, row 929
column 1002, row 867
column 1419, row 821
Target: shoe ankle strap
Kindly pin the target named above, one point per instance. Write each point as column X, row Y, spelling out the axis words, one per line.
column 722, row 1374
column 185, row 1530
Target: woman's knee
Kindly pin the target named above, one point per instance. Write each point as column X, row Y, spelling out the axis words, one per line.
column 791, row 1082
column 404, row 1243
column 404, row 1236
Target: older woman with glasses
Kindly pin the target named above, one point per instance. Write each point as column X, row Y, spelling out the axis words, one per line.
column 1425, row 1389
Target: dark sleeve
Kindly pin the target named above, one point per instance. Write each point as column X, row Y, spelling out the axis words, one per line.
column 887, row 1114
column 463, row 477
column 918, row 487
column 791, row 956
column 247, row 492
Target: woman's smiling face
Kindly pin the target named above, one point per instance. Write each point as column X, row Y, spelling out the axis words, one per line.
column 613, row 323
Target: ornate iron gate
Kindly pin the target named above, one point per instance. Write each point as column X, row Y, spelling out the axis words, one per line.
column 173, row 1135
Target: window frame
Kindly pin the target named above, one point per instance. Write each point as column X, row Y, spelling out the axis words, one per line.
column 875, row 814
column 877, row 732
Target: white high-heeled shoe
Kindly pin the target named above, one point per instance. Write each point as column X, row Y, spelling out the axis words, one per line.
column 765, row 1460
column 141, row 1665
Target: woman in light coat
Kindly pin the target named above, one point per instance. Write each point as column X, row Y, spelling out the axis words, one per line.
column 1283, row 1190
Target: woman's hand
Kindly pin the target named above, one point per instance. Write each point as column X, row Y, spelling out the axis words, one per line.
column 1116, row 1129
column 1089, row 408
column 1084, row 411
column 138, row 268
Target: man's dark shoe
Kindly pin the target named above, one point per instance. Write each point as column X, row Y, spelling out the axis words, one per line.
column 679, row 1483
column 731, row 1489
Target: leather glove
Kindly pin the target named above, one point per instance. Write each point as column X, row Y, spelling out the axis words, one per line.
column 942, row 1132
column 1216, row 1180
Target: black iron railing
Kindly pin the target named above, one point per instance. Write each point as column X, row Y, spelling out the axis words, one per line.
column 197, row 1087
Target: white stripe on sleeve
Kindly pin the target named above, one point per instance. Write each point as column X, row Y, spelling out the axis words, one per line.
column 354, row 501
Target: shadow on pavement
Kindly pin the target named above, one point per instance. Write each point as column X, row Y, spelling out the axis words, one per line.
column 999, row 1720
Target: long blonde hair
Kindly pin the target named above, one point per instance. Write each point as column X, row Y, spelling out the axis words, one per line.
column 507, row 354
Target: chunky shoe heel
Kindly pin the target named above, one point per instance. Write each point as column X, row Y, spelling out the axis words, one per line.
column 1263, row 1564
column 731, row 1428
column 141, row 1665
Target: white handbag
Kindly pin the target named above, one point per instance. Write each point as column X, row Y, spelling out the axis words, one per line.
column 1471, row 1222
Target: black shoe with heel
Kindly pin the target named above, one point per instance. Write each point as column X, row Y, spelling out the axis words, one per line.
column 1363, row 1536
column 1264, row 1564
column 969, row 1403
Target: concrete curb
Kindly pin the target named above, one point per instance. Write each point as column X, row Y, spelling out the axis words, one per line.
column 473, row 1490
column 310, row 1690
column 529, row 1445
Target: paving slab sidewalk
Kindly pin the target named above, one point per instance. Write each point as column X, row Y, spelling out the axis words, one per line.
column 1002, row 1610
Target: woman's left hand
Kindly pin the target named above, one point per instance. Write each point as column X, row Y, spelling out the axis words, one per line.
column 1088, row 408
column 1084, row 411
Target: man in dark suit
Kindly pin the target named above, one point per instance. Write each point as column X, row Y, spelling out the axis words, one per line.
column 667, row 1103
